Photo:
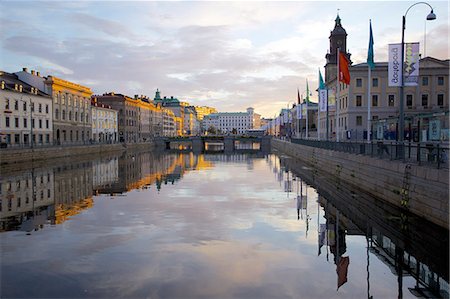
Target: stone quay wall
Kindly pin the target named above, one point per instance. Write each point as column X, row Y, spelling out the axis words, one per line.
column 425, row 189
column 14, row 157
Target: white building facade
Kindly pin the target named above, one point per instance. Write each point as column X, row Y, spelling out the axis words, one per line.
column 232, row 122
column 104, row 124
column 26, row 117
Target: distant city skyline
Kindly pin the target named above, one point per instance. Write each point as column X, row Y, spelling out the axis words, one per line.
column 227, row 55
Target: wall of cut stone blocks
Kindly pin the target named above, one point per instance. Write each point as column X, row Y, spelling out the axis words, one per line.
column 428, row 187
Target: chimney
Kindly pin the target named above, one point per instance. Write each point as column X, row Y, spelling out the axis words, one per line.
column 32, row 72
column 25, row 69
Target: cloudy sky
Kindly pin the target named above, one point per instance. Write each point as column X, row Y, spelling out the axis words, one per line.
column 229, row 55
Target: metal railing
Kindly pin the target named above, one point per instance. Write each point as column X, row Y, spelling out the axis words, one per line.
column 423, row 153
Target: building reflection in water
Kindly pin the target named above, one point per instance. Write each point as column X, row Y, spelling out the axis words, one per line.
column 26, row 198
column 40, row 196
column 407, row 245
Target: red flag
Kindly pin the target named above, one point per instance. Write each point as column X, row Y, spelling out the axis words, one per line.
column 341, row 270
column 298, row 97
column 344, row 73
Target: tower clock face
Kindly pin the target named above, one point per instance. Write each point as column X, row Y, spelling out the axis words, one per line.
column 339, row 42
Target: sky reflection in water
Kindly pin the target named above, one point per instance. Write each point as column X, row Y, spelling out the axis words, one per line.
column 226, row 231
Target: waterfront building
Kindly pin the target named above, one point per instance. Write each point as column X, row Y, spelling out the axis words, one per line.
column 71, row 106
column 425, row 104
column 104, row 123
column 25, row 113
column 298, row 125
column 169, row 127
column 191, row 123
column 128, row 114
column 201, row 111
column 232, row 122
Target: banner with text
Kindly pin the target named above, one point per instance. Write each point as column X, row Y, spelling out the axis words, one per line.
column 332, row 98
column 395, row 65
column 322, row 100
column 299, row 111
column 412, row 57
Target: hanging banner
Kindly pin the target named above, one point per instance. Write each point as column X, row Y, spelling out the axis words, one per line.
column 412, row 57
column 322, row 100
column 299, row 111
column 331, row 98
column 395, row 65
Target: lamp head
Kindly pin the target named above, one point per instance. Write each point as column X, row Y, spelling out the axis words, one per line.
column 431, row 16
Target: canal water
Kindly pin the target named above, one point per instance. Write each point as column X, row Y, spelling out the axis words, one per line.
column 178, row 225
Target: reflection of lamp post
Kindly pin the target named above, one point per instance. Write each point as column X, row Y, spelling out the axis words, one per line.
column 431, row 16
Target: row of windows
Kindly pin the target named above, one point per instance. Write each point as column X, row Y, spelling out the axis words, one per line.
column 104, row 125
column 62, row 99
column 37, row 138
column 61, row 135
column 425, row 81
column 104, row 114
column 16, row 186
column 25, row 106
column 63, row 116
column 25, row 123
column 27, row 201
column 391, row 100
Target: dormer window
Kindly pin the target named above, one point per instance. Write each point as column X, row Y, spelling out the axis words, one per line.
column 32, row 89
column 20, row 88
column 3, row 84
column 16, row 87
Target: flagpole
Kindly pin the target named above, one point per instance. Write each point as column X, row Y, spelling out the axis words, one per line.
column 307, row 100
column 336, row 115
column 318, row 121
column 369, row 103
column 327, row 121
column 370, row 64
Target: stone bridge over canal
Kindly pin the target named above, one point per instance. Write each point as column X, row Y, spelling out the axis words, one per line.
column 197, row 143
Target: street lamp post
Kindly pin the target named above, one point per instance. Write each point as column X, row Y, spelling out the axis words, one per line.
column 401, row 126
column 289, row 125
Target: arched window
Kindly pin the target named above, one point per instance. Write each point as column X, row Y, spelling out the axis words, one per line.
column 70, row 115
column 64, row 114
column 56, row 113
column 76, row 116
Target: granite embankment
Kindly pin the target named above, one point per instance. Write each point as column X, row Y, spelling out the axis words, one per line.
column 425, row 190
column 25, row 157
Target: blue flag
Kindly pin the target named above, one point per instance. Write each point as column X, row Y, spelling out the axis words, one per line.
column 321, row 83
column 370, row 62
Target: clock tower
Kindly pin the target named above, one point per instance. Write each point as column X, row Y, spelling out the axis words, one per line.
column 338, row 39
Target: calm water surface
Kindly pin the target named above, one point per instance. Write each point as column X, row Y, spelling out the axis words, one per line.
column 179, row 225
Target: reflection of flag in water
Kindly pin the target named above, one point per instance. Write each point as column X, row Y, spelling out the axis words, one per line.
column 322, row 236
column 341, row 270
column 288, row 186
column 299, row 201
column 331, row 235
column 280, row 176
